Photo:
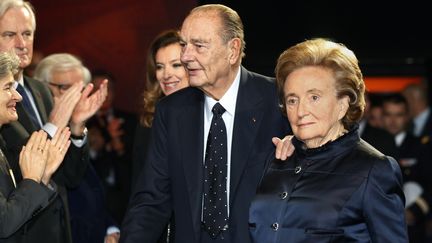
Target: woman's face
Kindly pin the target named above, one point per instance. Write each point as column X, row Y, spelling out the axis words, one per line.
column 312, row 108
column 170, row 72
column 8, row 100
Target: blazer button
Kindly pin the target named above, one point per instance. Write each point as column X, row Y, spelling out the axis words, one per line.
column 275, row 226
column 283, row 195
column 297, row 169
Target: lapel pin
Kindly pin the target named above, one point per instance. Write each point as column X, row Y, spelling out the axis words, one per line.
column 254, row 119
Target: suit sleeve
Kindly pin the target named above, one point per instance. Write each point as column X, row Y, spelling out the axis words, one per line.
column 26, row 201
column 383, row 203
column 150, row 205
column 73, row 167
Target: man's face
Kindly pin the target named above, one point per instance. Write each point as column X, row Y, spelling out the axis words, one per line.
column 62, row 80
column 17, row 33
column 395, row 117
column 204, row 53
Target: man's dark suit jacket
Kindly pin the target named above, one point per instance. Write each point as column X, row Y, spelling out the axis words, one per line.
column 20, row 204
column 172, row 176
column 89, row 215
column 52, row 225
column 381, row 140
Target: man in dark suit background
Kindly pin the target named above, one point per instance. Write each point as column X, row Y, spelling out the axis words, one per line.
column 376, row 135
column 17, row 27
column 414, row 160
column 420, row 112
column 172, row 180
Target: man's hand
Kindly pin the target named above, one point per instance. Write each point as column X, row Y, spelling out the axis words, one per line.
column 87, row 106
column 57, row 149
column 284, row 147
column 112, row 238
column 64, row 105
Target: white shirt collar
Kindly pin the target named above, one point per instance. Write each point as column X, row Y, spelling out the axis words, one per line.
column 420, row 121
column 228, row 100
column 399, row 138
column 20, row 81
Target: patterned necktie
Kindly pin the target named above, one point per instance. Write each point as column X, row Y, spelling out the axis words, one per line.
column 27, row 105
column 215, row 216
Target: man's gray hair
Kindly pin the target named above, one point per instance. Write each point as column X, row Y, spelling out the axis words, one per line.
column 5, row 5
column 59, row 62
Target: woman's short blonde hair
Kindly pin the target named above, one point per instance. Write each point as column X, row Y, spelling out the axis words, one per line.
column 332, row 56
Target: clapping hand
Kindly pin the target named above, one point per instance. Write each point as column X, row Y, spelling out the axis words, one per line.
column 65, row 104
column 33, row 156
column 57, row 149
column 87, row 106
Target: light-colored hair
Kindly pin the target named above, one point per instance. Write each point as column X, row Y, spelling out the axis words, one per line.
column 152, row 90
column 5, row 5
column 332, row 56
column 232, row 25
column 9, row 64
column 59, row 62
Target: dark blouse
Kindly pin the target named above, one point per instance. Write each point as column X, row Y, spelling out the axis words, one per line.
column 343, row 191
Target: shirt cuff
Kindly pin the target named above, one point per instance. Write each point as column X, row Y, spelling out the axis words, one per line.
column 50, row 128
column 112, row 230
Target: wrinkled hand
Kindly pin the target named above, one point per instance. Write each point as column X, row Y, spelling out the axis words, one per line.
column 33, row 156
column 64, row 105
column 112, row 238
column 56, row 151
column 87, row 106
column 284, row 147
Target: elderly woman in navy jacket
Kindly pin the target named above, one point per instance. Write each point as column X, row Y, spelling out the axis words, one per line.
column 335, row 187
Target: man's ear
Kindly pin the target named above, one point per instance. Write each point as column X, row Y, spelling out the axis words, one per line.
column 235, row 47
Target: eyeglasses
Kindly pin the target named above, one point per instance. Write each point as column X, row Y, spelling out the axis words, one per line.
column 62, row 87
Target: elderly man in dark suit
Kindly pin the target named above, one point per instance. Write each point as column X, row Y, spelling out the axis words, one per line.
column 180, row 174
column 36, row 111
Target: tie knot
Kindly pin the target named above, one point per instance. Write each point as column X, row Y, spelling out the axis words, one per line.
column 218, row 109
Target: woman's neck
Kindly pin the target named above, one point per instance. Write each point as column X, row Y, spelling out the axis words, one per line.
column 335, row 132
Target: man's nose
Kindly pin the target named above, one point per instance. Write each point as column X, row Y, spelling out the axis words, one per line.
column 19, row 41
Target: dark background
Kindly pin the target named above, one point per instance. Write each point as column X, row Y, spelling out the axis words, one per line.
column 389, row 38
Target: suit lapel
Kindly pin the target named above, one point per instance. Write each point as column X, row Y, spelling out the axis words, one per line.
column 191, row 144
column 248, row 117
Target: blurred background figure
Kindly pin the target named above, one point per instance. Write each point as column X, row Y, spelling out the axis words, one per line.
column 165, row 75
column 414, row 161
column 419, row 110
column 111, row 133
column 374, row 110
column 90, row 220
column 370, row 129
